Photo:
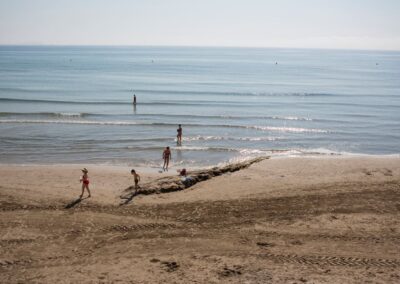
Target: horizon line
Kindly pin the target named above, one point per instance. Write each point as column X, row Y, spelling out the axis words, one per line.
column 194, row 46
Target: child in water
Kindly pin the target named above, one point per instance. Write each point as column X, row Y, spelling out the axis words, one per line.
column 136, row 177
column 85, row 182
column 166, row 156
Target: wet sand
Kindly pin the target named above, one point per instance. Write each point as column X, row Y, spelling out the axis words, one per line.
column 289, row 220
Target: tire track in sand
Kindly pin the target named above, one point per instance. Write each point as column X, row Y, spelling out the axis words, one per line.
column 330, row 260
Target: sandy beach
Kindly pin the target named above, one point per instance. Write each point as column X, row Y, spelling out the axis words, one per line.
column 280, row 220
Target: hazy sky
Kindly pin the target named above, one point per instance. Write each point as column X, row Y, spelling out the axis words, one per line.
column 360, row 24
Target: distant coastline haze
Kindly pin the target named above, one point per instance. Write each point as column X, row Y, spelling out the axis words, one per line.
column 357, row 24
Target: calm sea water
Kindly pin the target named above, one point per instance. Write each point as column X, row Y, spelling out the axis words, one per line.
column 74, row 104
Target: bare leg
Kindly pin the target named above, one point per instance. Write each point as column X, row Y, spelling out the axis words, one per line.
column 83, row 188
column 87, row 187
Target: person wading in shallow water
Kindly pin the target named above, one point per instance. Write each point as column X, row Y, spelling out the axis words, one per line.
column 179, row 136
column 166, row 156
column 85, row 182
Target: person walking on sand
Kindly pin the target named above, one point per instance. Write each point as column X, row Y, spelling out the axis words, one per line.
column 136, row 177
column 85, row 182
column 166, row 156
column 179, row 135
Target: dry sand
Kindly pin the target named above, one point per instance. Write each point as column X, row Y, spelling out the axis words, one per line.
column 289, row 220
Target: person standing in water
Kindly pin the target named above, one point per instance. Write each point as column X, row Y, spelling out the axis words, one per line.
column 134, row 99
column 85, row 182
column 166, row 156
column 179, row 135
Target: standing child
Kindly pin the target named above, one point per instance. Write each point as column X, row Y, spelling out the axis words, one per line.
column 166, row 156
column 136, row 177
column 85, row 182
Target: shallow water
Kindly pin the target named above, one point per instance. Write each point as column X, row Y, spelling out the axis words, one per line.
column 74, row 104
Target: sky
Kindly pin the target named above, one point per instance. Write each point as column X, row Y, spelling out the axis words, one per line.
column 344, row 24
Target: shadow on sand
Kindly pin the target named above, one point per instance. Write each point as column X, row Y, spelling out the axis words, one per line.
column 128, row 197
column 74, row 203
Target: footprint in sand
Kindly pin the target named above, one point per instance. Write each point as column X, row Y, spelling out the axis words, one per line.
column 227, row 272
column 265, row 244
column 367, row 172
column 387, row 172
column 170, row 266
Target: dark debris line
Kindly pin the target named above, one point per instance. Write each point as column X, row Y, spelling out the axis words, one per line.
column 175, row 183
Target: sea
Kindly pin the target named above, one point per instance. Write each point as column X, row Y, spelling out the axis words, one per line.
column 73, row 104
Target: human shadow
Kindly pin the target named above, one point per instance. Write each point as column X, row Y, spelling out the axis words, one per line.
column 129, row 197
column 73, row 203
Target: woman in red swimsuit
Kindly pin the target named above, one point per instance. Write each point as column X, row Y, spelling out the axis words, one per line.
column 85, row 182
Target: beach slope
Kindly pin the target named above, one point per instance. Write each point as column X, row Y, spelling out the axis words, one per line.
column 289, row 220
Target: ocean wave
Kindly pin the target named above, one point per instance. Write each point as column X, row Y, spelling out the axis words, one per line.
column 224, row 138
column 241, row 151
column 183, row 148
column 224, row 116
column 185, row 92
column 68, row 114
column 289, row 129
column 293, row 152
column 156, row 115
column 204, row 148
column 63, row 101
column 247, row 154
column 88, row 122
column 174, row 92
column 138, row 123
column 30, row 90
column 291, row 118
column 196, row 103
column 237, row 94
column 46, row 114
column 128, row 102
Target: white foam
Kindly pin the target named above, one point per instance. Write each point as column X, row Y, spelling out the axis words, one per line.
column 127, row 123
column 292, row 118
column 289, row 129
column 89, row 122
column 200, row 148
column 69, row 114
column 222, row 138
